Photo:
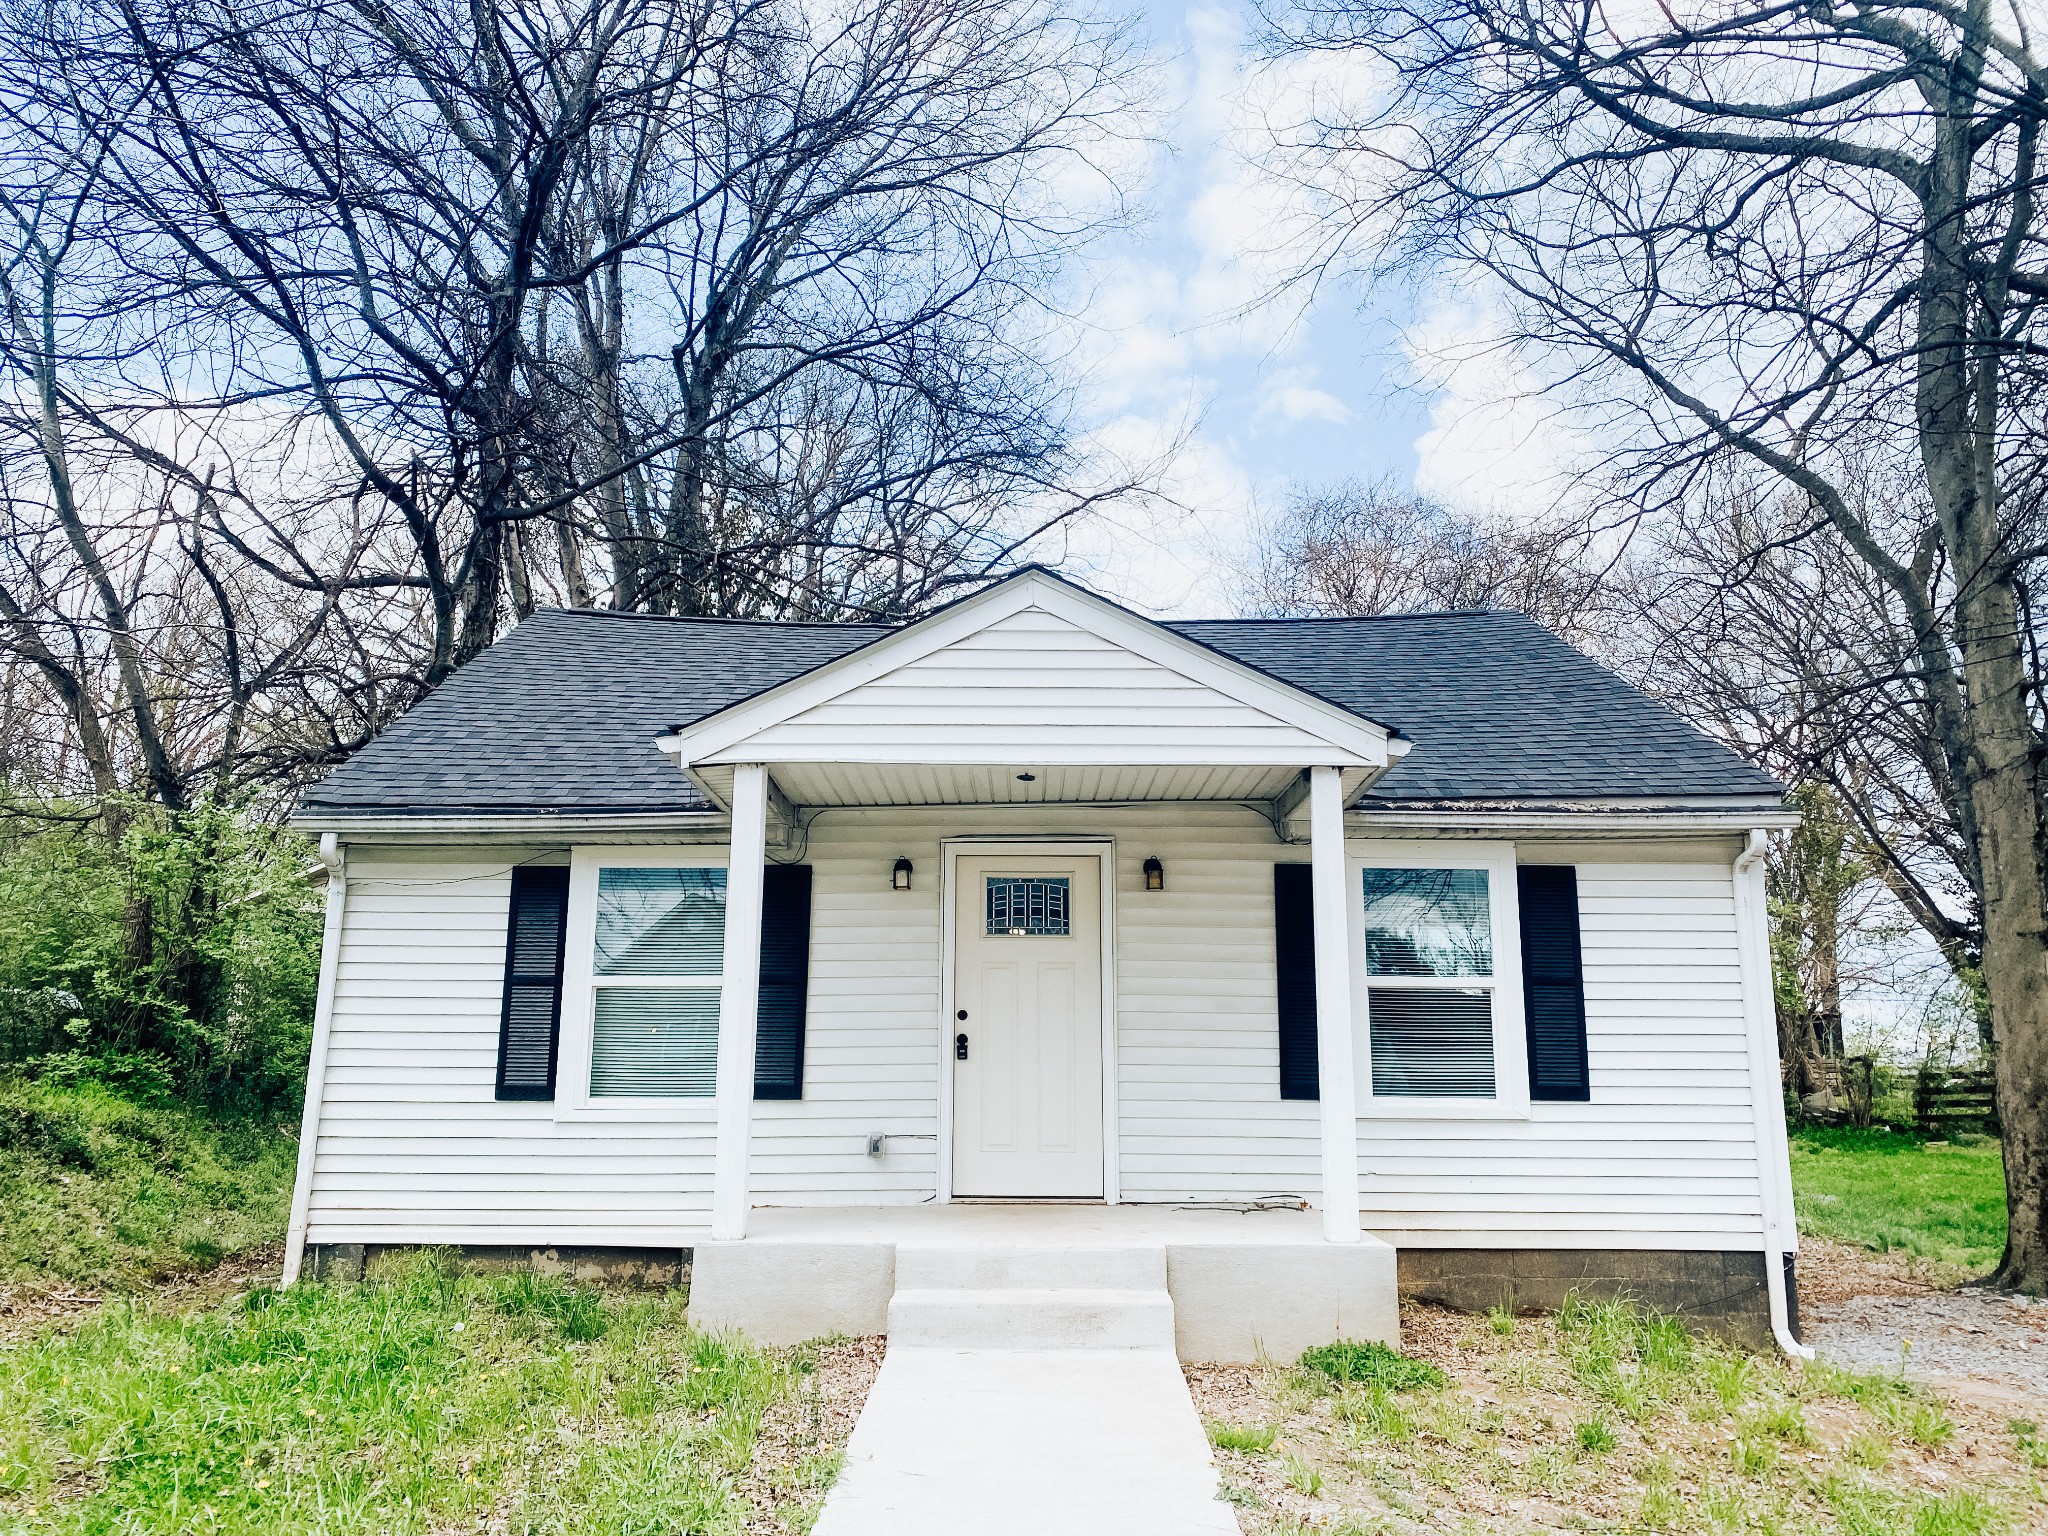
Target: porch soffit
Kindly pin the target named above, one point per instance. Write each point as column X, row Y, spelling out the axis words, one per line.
column 1032, row 677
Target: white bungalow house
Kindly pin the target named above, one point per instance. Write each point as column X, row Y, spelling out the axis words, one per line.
column 1301, row 959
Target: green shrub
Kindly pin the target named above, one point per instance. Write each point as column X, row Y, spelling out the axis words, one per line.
column 189, row 948
column 1370, row 1362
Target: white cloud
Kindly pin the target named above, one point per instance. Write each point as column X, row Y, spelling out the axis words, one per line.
column 1496, row 441
column 1292, row 396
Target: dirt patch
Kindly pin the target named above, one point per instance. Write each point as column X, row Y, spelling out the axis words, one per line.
column 797, row 1452
column 29, row 1311
column 1524, row 1438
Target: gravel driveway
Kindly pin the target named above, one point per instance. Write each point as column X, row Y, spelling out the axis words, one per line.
column 1861, row 1311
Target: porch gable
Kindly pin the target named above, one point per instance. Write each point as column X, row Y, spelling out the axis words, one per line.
column 1035, row 672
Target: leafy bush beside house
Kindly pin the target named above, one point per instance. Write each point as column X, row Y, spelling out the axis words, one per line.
column 194, row 940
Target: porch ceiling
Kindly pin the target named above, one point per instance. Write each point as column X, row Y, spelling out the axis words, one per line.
column 908, row 784
column 1021, row 783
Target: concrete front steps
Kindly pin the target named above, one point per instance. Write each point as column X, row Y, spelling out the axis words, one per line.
column 1028, row 1390
column 1031, row 1298
column 1237, row 1285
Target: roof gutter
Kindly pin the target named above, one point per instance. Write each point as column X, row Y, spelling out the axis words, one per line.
column 1589, row 819
column 1774, row 1168
column 532, row 826
column 335, row 860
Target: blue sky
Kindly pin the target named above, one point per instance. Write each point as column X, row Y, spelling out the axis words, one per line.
column 1251, row 401
column 1251, row 397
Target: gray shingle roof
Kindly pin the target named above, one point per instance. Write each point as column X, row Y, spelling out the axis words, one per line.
column 1498, row 707
column 561, row 714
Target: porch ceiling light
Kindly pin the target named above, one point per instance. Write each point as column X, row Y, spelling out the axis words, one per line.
column 1155, row 875
column 899, row 877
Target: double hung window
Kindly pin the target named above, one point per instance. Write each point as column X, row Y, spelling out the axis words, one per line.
column 1442, row 981
column 655, row 983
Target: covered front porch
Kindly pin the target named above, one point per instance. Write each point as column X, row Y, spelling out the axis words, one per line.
column 1010, row 725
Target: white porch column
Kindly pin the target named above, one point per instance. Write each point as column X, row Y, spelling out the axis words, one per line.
column 1337, row 1088
column 739, row 1007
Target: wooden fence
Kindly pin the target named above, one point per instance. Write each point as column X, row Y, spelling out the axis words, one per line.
column 1947, row 1102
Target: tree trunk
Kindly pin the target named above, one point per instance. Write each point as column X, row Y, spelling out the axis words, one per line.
column 2016, row 976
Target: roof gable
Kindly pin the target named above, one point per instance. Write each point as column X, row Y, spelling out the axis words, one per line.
column 1034, row 670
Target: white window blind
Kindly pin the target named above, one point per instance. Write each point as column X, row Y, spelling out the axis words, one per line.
column 1429, row 995
column 659, row 952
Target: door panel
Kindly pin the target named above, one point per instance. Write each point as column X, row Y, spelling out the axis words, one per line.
column 1027, row 1101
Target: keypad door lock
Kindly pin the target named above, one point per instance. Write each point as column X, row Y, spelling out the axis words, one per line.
column 959, row 1047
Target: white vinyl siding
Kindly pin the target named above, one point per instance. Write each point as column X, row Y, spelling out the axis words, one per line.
column 413, row 1146
column 1033, row 686
column 1665, row 1154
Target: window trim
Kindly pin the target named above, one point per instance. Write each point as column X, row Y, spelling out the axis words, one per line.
column 1510, row 1099
column 573, row 1098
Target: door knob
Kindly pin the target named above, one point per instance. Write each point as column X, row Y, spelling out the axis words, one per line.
column 959, row 1047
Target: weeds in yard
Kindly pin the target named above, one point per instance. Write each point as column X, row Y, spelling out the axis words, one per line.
column 1729, row 1377
column 2026, row 1434
column 1610, row 1418
column 1964, row 1512
column 1303, row 1476
column 1780, row 1421
column 1252, row 1439
column 1661, row 1507
column 1373, row 1412
column 1370, row 1361
column 1501, row 1321
column 419, row 1402
column 1926, row 1423
column 1723, row 1507
column 1595, row 1435
column 1752, row 1457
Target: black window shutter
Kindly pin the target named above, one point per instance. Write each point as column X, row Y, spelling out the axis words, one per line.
column 530, row 1022
column 1553, row 981
column 785, row 979
column 1294, row 952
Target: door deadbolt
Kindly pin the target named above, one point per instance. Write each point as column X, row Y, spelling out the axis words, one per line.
column 959, row 1047
column 962, row 1014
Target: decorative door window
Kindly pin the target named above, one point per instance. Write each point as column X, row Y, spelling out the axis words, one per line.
column 1028, row 907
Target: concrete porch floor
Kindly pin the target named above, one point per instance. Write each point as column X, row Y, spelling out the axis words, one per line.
column 1243, row 1283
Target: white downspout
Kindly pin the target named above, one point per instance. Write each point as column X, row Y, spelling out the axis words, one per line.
column 316, row 1065
column 1766, row 1091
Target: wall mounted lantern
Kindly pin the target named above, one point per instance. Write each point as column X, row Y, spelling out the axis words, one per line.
column 1155, row 875
column 899, row 878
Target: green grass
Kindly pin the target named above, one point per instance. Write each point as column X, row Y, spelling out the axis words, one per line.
column 1887, row 1191
column 98, row 1188
column 424, row 1401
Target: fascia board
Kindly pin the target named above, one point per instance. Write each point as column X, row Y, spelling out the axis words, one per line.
column 1585, row 822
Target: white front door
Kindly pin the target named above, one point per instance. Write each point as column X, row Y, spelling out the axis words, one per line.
column 1027, row 1027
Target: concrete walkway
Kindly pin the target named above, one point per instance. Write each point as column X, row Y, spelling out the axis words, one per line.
column 1049, row 1442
